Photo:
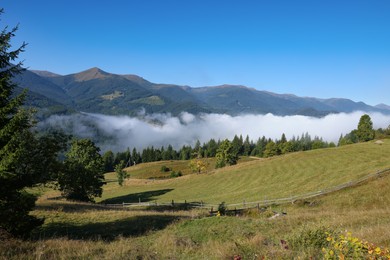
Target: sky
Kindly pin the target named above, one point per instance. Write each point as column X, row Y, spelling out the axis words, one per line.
column 309, row 48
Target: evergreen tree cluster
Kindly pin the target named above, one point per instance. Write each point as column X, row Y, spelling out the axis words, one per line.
column 263, row 147
column 364, row 132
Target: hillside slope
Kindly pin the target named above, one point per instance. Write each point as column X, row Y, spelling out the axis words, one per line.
column 83, row 230
column 278, row 177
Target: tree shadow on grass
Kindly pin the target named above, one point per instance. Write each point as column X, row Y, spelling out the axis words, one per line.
column 107, row 231
column 137, row 197
column 72, row 207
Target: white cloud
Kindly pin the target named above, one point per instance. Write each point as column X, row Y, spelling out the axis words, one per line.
column 120, row 132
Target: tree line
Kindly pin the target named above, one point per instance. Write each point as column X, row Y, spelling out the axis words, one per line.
column 238, row 146
column 263, row 147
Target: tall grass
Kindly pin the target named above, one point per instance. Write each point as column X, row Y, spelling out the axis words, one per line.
column 85, row 231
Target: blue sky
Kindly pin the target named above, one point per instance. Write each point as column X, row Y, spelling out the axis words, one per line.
column 309, row 48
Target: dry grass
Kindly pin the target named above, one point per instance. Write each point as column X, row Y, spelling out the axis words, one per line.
column 85, row 231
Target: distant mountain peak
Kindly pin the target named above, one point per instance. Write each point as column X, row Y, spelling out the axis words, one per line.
column 383, row 106
column 92, row 73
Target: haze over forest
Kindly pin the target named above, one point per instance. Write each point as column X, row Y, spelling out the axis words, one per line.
column 121, row 132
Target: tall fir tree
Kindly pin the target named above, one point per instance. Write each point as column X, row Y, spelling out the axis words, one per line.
column 15, row 202
column 365, row 131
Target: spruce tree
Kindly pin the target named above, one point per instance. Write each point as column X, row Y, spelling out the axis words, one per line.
column 365, row 131
column 15, row 202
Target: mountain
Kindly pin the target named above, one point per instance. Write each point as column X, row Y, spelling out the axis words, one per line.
column 98, row 91
column 45, row 73
column 233, row 99
column 383, row 106
column 42, row 86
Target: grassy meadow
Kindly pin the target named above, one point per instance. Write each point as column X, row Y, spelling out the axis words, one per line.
column 252, row 180
column 90, row 231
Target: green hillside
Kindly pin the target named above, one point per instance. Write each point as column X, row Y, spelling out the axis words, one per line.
column 92, row 231
column 277, row 177
column 97, row 91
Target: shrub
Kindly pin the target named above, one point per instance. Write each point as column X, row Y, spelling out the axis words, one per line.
column 349, row 247
column 222, row 208
column 310, row 237
column 176, row 174
column 164, row 169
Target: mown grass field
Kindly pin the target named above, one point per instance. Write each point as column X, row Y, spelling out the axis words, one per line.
column 85, row 231
column 153, row 170
column 254, row 180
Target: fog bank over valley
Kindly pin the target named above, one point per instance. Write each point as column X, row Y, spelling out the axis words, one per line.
column 116, row 133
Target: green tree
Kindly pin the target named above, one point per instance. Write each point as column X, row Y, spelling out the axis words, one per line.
column 237, row 145
column 108, row 160
column 211, row 148
column 16, row 171
column 287, row 147
column 271, row 149
column 171, row 153
column 387, row 130
column 247, row 147
column 120, row 172
column 260, row 147
column 135, row 156
column 83, row 175
column 226, row 154
column 283, row 139
column 365, row 131
column 197, row 151
column 185, row 152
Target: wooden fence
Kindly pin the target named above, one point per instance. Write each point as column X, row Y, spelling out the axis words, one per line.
column 244, row 205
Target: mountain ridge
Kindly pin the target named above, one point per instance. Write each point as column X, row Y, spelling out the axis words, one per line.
column 97, row 91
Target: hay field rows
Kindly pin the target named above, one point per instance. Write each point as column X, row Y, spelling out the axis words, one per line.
column 253, row 180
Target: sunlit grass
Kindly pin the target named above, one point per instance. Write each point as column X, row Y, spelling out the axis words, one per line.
column 86, row 231
column 278, row 177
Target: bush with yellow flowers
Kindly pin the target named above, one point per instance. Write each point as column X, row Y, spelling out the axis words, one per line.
column 349, row 247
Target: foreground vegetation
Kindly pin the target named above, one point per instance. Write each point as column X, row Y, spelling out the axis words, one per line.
column 80, row 230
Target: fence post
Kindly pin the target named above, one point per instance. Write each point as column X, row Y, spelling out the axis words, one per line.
column 123, row 204
column 244, row 205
